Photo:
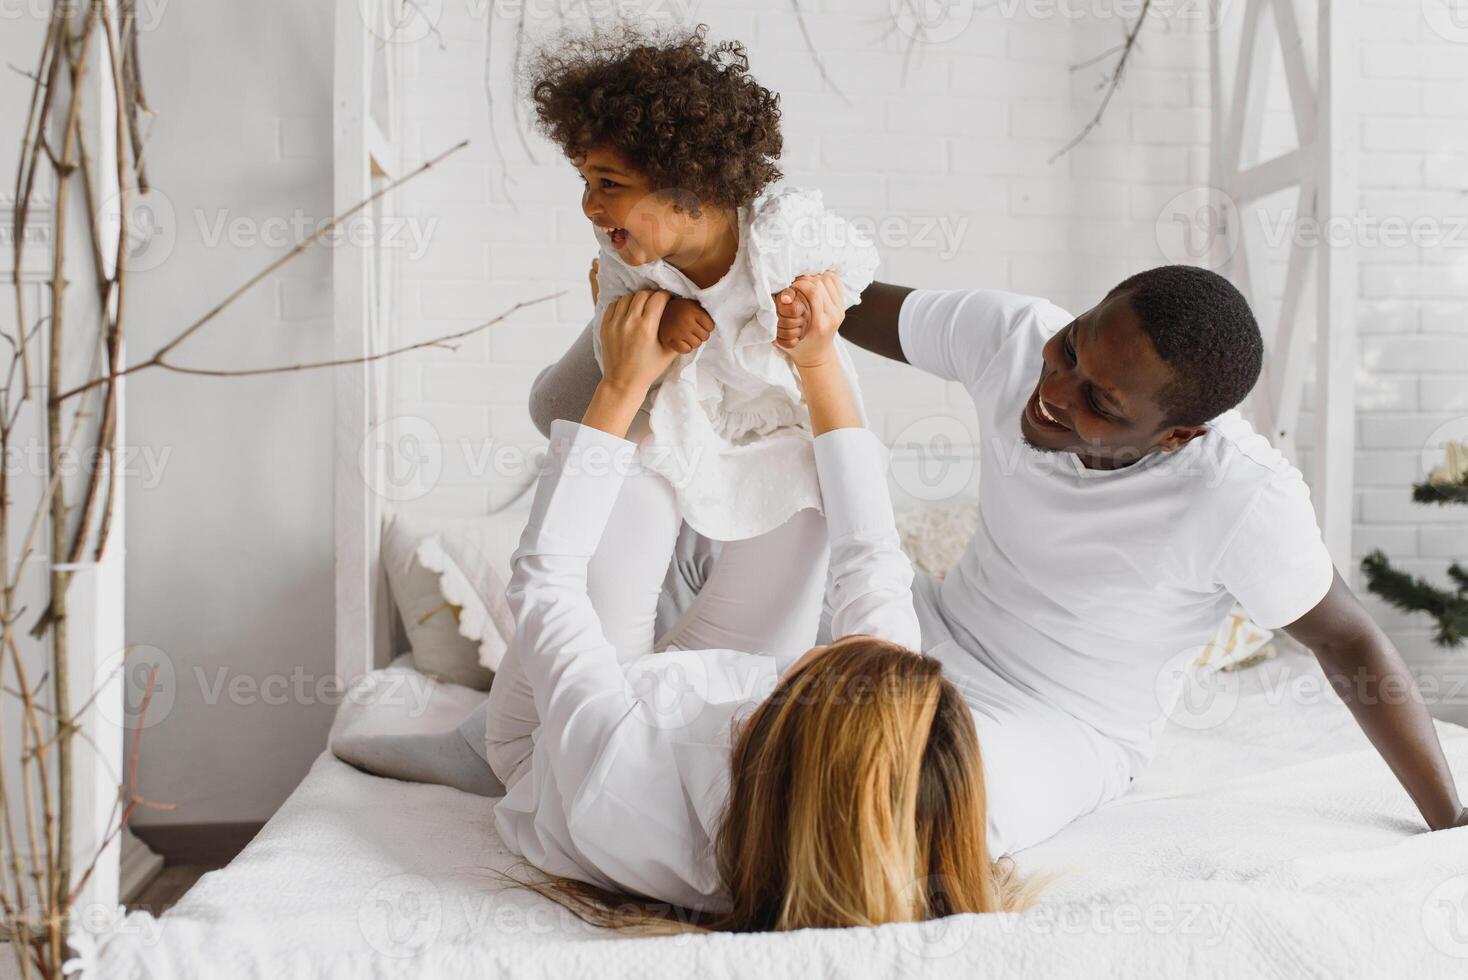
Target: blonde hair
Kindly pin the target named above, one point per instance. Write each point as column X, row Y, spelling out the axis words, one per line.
column 856, row 798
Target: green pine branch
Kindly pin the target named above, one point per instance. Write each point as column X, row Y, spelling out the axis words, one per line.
column 1413, row 594
column 1440, row 493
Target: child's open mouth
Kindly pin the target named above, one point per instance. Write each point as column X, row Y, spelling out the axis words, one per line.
column 618, row 237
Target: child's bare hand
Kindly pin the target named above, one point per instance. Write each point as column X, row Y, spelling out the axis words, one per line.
column 792, row 314
column 684, row 326
column 827, row 309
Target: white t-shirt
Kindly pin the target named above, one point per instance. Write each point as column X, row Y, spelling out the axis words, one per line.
column 1094, row 588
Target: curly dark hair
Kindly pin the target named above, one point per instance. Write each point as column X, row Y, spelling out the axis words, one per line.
column 1204, row 330
column 679, row 109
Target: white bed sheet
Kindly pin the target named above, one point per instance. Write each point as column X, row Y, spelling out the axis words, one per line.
column 1275, row 843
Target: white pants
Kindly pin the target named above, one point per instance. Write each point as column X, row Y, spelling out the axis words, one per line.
column 761, row 595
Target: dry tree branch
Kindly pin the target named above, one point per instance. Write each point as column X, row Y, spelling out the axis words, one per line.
column 313, row 365
column 1112, row 82
column 158, row 355
column 815, row 55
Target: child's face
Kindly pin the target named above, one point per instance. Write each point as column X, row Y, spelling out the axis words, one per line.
column 641, row 224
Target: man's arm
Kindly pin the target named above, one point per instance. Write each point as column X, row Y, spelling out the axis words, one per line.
column 872, row 323
column 1372, row 679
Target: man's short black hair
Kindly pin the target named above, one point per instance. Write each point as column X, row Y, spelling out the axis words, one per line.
column 1204, row 330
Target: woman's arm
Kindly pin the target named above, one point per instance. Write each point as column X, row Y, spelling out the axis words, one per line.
column 569, row 663
column 871, row 578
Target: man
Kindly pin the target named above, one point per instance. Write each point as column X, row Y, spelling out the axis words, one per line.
column 1124, row 506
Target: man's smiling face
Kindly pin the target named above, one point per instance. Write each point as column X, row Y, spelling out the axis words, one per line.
column 1101, row 391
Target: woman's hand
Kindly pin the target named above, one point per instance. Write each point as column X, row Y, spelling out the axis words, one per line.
column 593, row 276
column 632, row 360
column 825, row 310
column 685, row 325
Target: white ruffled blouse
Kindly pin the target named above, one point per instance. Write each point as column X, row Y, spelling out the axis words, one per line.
column 729, row 427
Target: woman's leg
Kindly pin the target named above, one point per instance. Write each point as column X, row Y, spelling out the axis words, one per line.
column 624, row 580
column 763, row 594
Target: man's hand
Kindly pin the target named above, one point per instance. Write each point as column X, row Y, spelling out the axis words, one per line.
column 592, row 275
column 792, row 317
column 685, row 326
column 824, row 312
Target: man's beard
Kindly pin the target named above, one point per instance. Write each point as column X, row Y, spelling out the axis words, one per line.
column 1037, row 448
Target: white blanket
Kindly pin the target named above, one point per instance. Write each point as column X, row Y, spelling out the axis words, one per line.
column 1275, row 843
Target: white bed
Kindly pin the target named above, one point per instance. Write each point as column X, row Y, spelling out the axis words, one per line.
column 1273, row 844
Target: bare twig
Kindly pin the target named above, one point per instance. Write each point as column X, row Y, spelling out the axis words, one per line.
column 815, row 55
column 1113, row 81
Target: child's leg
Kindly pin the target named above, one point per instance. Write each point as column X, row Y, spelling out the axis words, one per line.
column 763, row 595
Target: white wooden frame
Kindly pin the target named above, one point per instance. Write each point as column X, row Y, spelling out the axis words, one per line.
column 367, row 153
column 1319, row 78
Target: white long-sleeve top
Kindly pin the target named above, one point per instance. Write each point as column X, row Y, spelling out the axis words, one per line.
column 630, row 767
column 729, row 427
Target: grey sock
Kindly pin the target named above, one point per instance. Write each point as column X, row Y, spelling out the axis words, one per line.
column 444, row 759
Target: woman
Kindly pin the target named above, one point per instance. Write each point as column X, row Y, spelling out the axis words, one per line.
column 843, row 789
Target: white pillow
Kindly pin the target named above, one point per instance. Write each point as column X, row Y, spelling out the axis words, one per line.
column 448, row 580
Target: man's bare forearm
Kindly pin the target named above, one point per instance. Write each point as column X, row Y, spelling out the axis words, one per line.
column 872, row 323
column 1370, row 676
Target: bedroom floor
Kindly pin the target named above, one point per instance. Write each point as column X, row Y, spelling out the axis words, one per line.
column 170, row 884
column 189, row 853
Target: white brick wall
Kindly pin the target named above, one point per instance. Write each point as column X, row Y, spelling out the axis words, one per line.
column 963, row 137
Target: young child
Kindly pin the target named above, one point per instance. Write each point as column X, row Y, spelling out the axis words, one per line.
column 678, row 146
